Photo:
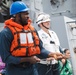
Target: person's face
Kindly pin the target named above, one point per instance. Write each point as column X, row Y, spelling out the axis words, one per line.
column 67, row 54
column 24, row 18
column 47, row 24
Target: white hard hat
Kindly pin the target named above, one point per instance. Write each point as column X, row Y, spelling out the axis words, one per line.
column 43, row 18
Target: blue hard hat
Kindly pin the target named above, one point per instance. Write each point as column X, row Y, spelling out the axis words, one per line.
column 17, row 7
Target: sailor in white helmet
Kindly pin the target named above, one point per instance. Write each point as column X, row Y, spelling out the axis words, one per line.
column 50, row 42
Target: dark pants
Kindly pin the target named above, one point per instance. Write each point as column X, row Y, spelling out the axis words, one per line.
column 48, row 69
column 19, row 70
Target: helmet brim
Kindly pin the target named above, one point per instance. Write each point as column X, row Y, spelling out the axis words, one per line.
column 25, row 10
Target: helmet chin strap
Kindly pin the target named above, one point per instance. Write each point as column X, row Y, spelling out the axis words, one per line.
column 44, row 26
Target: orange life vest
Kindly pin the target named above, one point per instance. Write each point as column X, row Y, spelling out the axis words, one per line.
column 21, row 44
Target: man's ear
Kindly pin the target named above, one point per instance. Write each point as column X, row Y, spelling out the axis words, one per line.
column 18, row 16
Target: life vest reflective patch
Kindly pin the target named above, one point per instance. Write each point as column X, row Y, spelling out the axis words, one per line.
column 23, row 38
column 30, row 38
column 25, row 42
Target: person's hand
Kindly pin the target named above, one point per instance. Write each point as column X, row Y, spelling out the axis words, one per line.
column 65, row 57
column 50, row 58
column 59, row 57
column 62, row 56
column 33, row 59
column 56, row 55
column 59, row 54
column 52, row 54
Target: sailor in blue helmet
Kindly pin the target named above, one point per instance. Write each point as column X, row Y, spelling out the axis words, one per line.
column 19, row 43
